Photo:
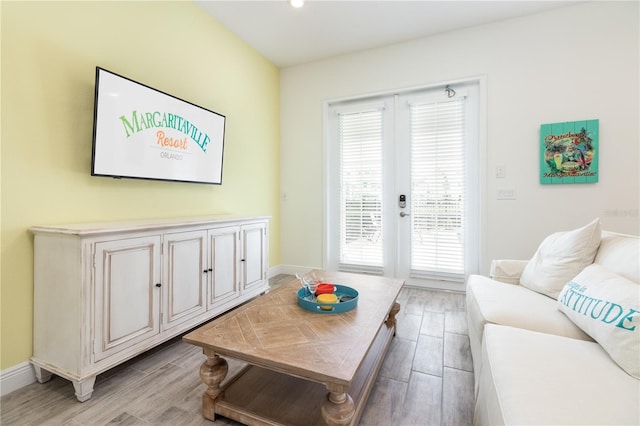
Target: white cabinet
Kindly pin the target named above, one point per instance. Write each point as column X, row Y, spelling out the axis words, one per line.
column 104, row 293
column 254, row 259
column 183, row 283
column 126, row 273
column 224, row 255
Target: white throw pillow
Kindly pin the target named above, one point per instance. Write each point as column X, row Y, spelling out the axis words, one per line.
column 606, row 306
column 560, row 257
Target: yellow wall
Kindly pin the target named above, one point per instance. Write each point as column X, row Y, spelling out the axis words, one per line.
column 49, row 54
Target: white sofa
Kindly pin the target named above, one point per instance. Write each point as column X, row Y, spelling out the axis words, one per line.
column 533, row 364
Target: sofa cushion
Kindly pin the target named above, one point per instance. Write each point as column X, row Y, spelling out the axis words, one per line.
column 619, row 253
column 493, row 302
column 542, row 379
column 607, row 307
column 560, row 257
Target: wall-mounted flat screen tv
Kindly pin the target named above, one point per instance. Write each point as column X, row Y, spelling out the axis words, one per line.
column 143, row 133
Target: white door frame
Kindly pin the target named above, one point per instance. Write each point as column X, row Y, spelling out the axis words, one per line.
column 391, row 210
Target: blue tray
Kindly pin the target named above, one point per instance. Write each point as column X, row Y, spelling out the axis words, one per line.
column 336, row 308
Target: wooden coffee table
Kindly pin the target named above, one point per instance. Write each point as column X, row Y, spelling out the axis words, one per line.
column 304, row 368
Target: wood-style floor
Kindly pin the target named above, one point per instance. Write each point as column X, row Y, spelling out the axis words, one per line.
column 426, row 379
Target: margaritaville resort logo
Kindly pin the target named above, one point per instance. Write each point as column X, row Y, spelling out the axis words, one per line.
column 138, row 121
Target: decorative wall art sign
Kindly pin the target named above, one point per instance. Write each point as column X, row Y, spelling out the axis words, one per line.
column 569, row 152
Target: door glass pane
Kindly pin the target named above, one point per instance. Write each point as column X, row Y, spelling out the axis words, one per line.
column 437, row 187
column 361, row 189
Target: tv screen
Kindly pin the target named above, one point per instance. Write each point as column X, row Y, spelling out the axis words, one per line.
column 143, row 133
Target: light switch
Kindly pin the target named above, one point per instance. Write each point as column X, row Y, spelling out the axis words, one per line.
column 501, row 172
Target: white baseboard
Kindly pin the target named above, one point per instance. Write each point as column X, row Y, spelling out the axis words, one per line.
column 16, row 377
column 291, row 269
column 274, row 270
column 410, row 282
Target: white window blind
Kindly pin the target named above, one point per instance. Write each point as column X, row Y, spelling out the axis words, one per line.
column 360, row 189
column 437, row 131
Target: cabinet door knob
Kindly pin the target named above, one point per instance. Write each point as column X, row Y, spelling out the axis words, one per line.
column 158, row 285
column 241, row 260
column 210, row 269
column 205, row 271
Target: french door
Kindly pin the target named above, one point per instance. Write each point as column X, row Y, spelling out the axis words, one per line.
column 402, row 185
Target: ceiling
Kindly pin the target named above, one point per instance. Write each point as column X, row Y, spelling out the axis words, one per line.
column 324, row 28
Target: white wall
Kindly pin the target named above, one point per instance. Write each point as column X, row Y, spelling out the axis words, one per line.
column 575, row 63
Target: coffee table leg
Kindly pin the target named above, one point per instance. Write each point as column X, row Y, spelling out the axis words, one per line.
column 391, row 320
column 338, row 407
column 212, row 373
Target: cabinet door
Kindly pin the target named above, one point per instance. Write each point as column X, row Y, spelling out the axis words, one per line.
column 224, row 254
column 254, row 255
column 126, row 296
column 184, row 277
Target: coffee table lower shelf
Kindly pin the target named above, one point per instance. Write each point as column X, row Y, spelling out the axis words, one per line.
column 257, row 396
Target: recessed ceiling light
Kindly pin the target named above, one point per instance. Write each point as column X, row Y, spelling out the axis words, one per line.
column 296, row 3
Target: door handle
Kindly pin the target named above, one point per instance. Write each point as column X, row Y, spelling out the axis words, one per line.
column 403, row 214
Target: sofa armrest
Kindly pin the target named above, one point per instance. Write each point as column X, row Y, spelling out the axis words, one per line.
column 507, row 270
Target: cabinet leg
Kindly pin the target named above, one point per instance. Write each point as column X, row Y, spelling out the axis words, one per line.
column 84, row 388
column 338, row 407
column 42, row 375
column 212, row 373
